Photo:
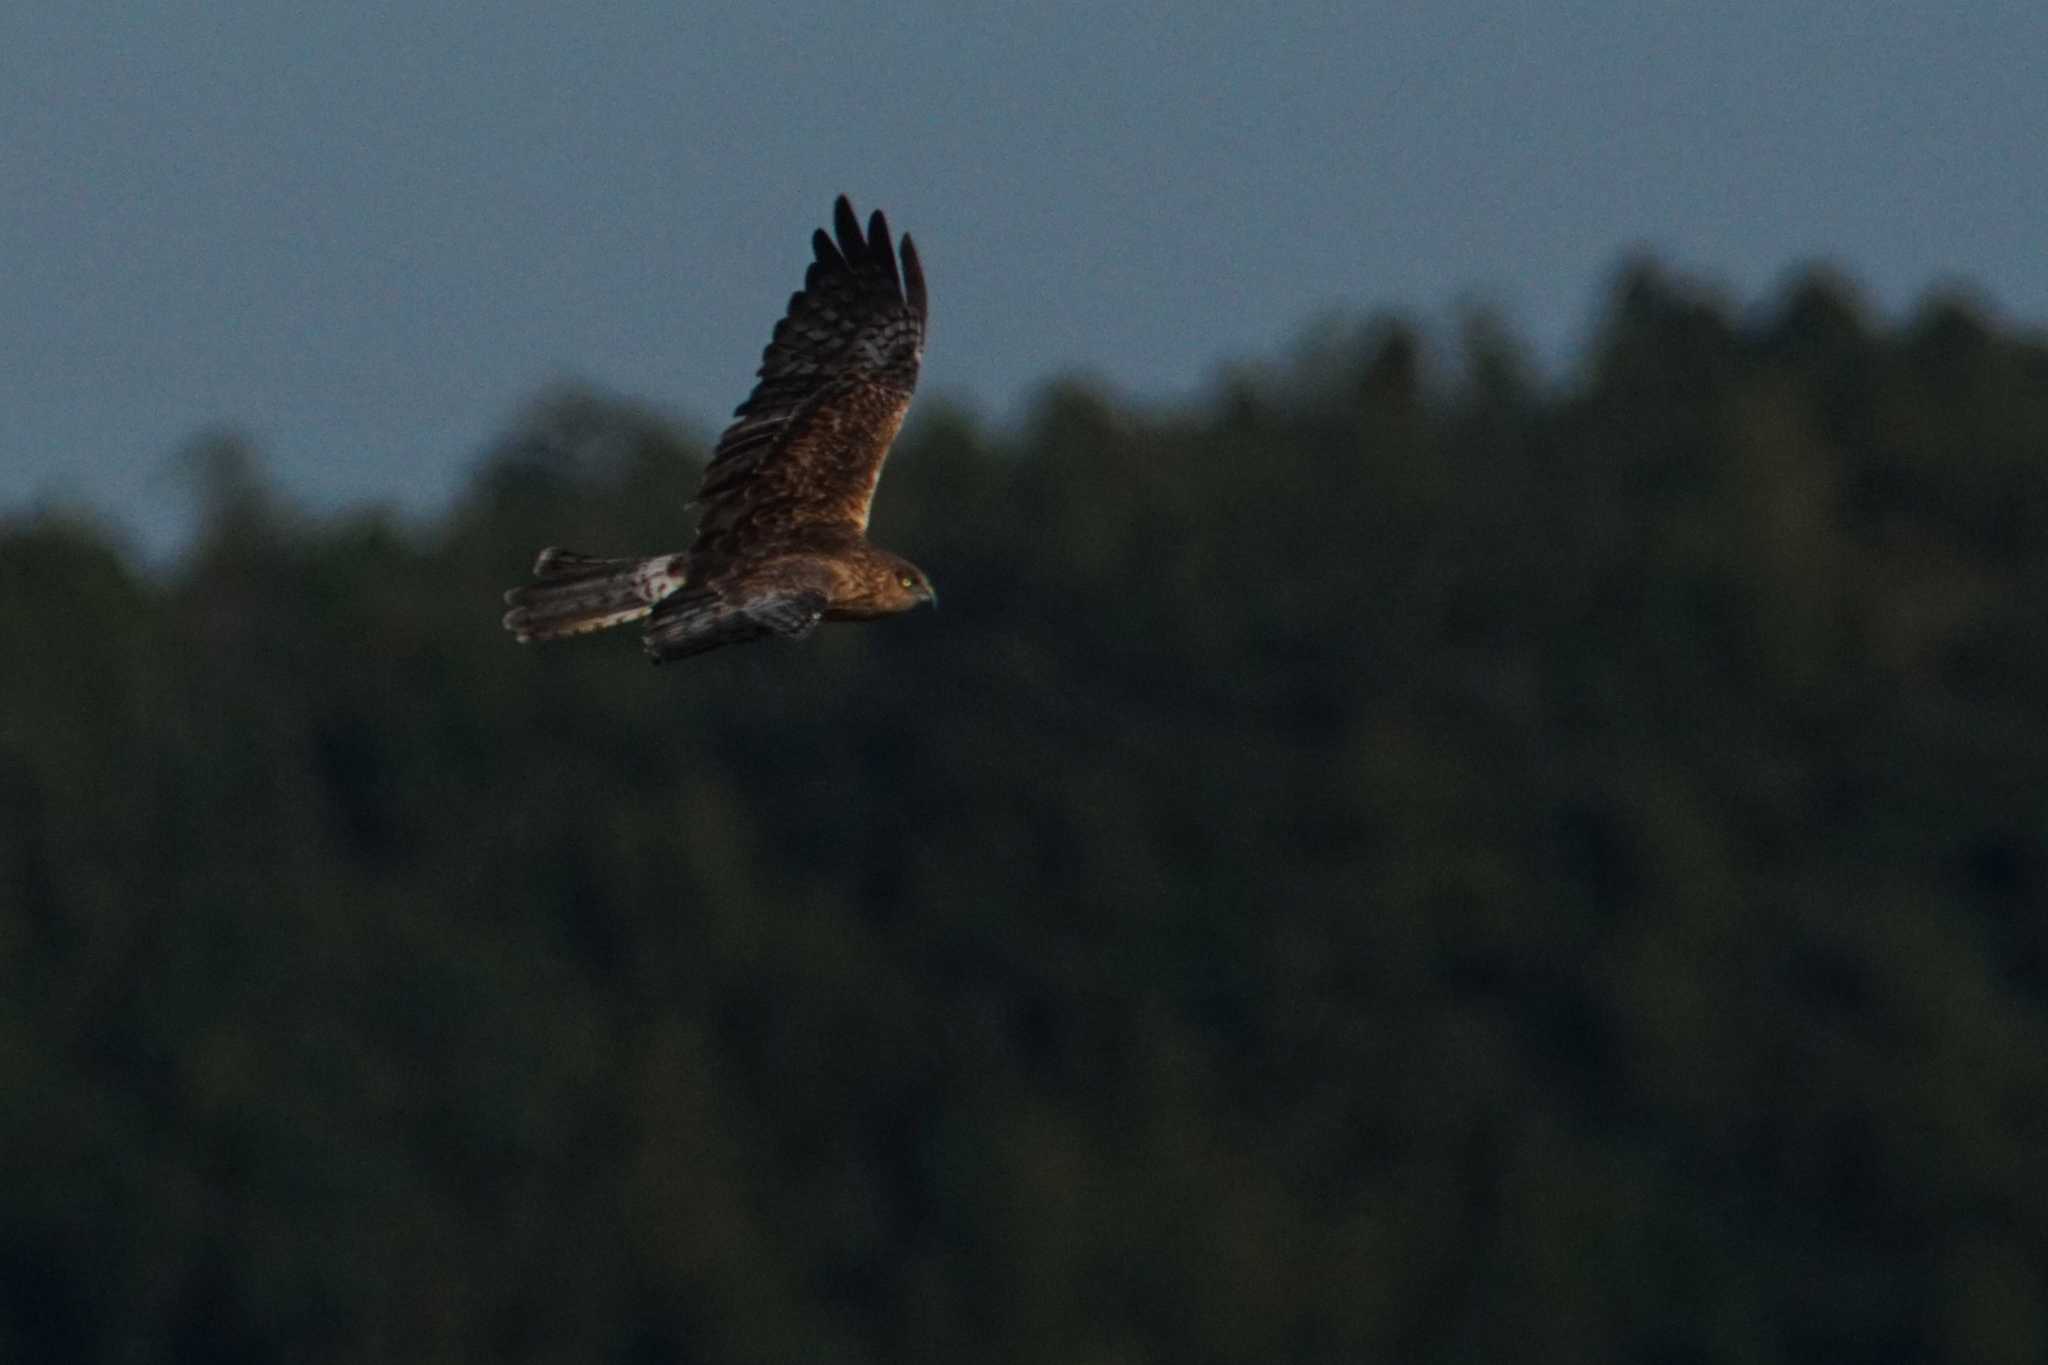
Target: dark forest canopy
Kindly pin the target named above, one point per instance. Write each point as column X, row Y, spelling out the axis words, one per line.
column 1395, row 861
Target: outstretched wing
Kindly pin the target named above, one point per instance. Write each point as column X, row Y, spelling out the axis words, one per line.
column 807, row 446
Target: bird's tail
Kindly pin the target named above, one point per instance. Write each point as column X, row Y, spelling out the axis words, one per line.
column 575, row 594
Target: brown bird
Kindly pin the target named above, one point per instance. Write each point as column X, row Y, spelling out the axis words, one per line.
column 782, row 529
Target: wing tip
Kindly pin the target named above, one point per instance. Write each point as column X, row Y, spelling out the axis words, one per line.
column 913, row 278
column 846, row 226
column 846, row 247
column 828, row 254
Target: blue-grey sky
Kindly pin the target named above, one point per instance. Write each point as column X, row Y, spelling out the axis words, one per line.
column 364, row 233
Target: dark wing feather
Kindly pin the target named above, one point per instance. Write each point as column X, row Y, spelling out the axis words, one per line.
column 806, row 448
column 785, row 597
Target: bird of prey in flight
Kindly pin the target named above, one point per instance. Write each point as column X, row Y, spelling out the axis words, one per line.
column 783, row 509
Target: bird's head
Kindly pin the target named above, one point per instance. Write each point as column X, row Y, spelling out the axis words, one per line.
column 890, row 584
column 907, row 586
column 884, row 584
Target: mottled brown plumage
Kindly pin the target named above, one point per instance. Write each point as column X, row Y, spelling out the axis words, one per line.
column 783, row 509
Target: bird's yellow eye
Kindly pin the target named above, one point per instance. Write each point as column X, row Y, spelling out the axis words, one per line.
column 905, row 581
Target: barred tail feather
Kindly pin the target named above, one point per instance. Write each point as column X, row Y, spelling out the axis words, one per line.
column 574, row 594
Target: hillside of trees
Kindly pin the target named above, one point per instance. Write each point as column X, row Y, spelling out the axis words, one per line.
column 1396, row 860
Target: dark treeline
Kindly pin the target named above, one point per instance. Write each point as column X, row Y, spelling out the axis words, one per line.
column 1396, row 861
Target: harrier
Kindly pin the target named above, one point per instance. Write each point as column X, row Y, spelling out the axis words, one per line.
column 783, row 509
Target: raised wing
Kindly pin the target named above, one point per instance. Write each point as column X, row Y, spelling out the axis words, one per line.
column 806, row 448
